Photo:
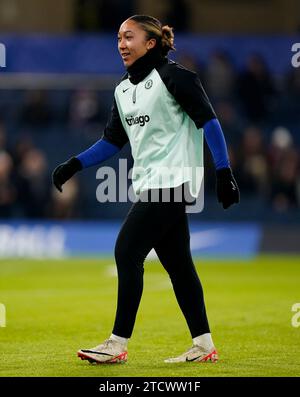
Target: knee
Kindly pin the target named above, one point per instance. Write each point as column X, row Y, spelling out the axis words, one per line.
column 182, row 275
column 128, row 259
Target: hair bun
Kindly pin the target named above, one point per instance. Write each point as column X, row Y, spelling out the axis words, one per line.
column 167, row 36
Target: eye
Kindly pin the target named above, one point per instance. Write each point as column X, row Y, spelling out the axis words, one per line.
column 126, row 37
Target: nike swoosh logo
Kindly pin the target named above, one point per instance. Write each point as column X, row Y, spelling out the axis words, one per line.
column 126, row 90
column 193, row 359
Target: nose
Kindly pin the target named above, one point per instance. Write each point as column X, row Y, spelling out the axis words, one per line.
column 121, row 44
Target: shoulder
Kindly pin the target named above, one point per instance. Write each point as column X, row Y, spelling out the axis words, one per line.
column 180, row 81
column 176, row 71
column 186, row 88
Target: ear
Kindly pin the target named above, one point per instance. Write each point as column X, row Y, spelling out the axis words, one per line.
column 151, row 43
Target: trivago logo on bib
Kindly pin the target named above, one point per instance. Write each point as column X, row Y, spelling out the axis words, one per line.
column 141, row 120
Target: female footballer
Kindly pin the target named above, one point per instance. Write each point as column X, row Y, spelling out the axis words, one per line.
column 160, row 107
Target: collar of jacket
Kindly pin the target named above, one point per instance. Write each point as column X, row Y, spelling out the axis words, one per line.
column 143, row 66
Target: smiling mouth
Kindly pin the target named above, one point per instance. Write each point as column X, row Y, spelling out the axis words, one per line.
column 125, row 55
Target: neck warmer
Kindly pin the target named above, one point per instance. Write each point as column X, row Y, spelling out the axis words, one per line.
column 143, row 65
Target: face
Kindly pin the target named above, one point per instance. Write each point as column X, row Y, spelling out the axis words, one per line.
column 132, row 42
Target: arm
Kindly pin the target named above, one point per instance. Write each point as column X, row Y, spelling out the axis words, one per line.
column 216, row 142
column 96, row 154
column 227, row 189
column 114, row 138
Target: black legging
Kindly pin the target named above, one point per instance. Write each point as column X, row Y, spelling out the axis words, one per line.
column 164, row 227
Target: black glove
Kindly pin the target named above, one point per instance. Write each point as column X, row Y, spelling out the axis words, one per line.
column 227, row 189
column 65, row 171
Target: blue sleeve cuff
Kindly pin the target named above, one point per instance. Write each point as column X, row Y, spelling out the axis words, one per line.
column 96, row 154
column 216, row 142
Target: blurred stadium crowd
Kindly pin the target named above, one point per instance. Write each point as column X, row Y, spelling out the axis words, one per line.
column 259, row 113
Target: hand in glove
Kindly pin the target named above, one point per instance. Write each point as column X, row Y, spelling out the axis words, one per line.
column 227, row 188
column 65, row 171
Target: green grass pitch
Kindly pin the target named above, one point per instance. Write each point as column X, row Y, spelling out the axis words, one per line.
column 55, row 307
